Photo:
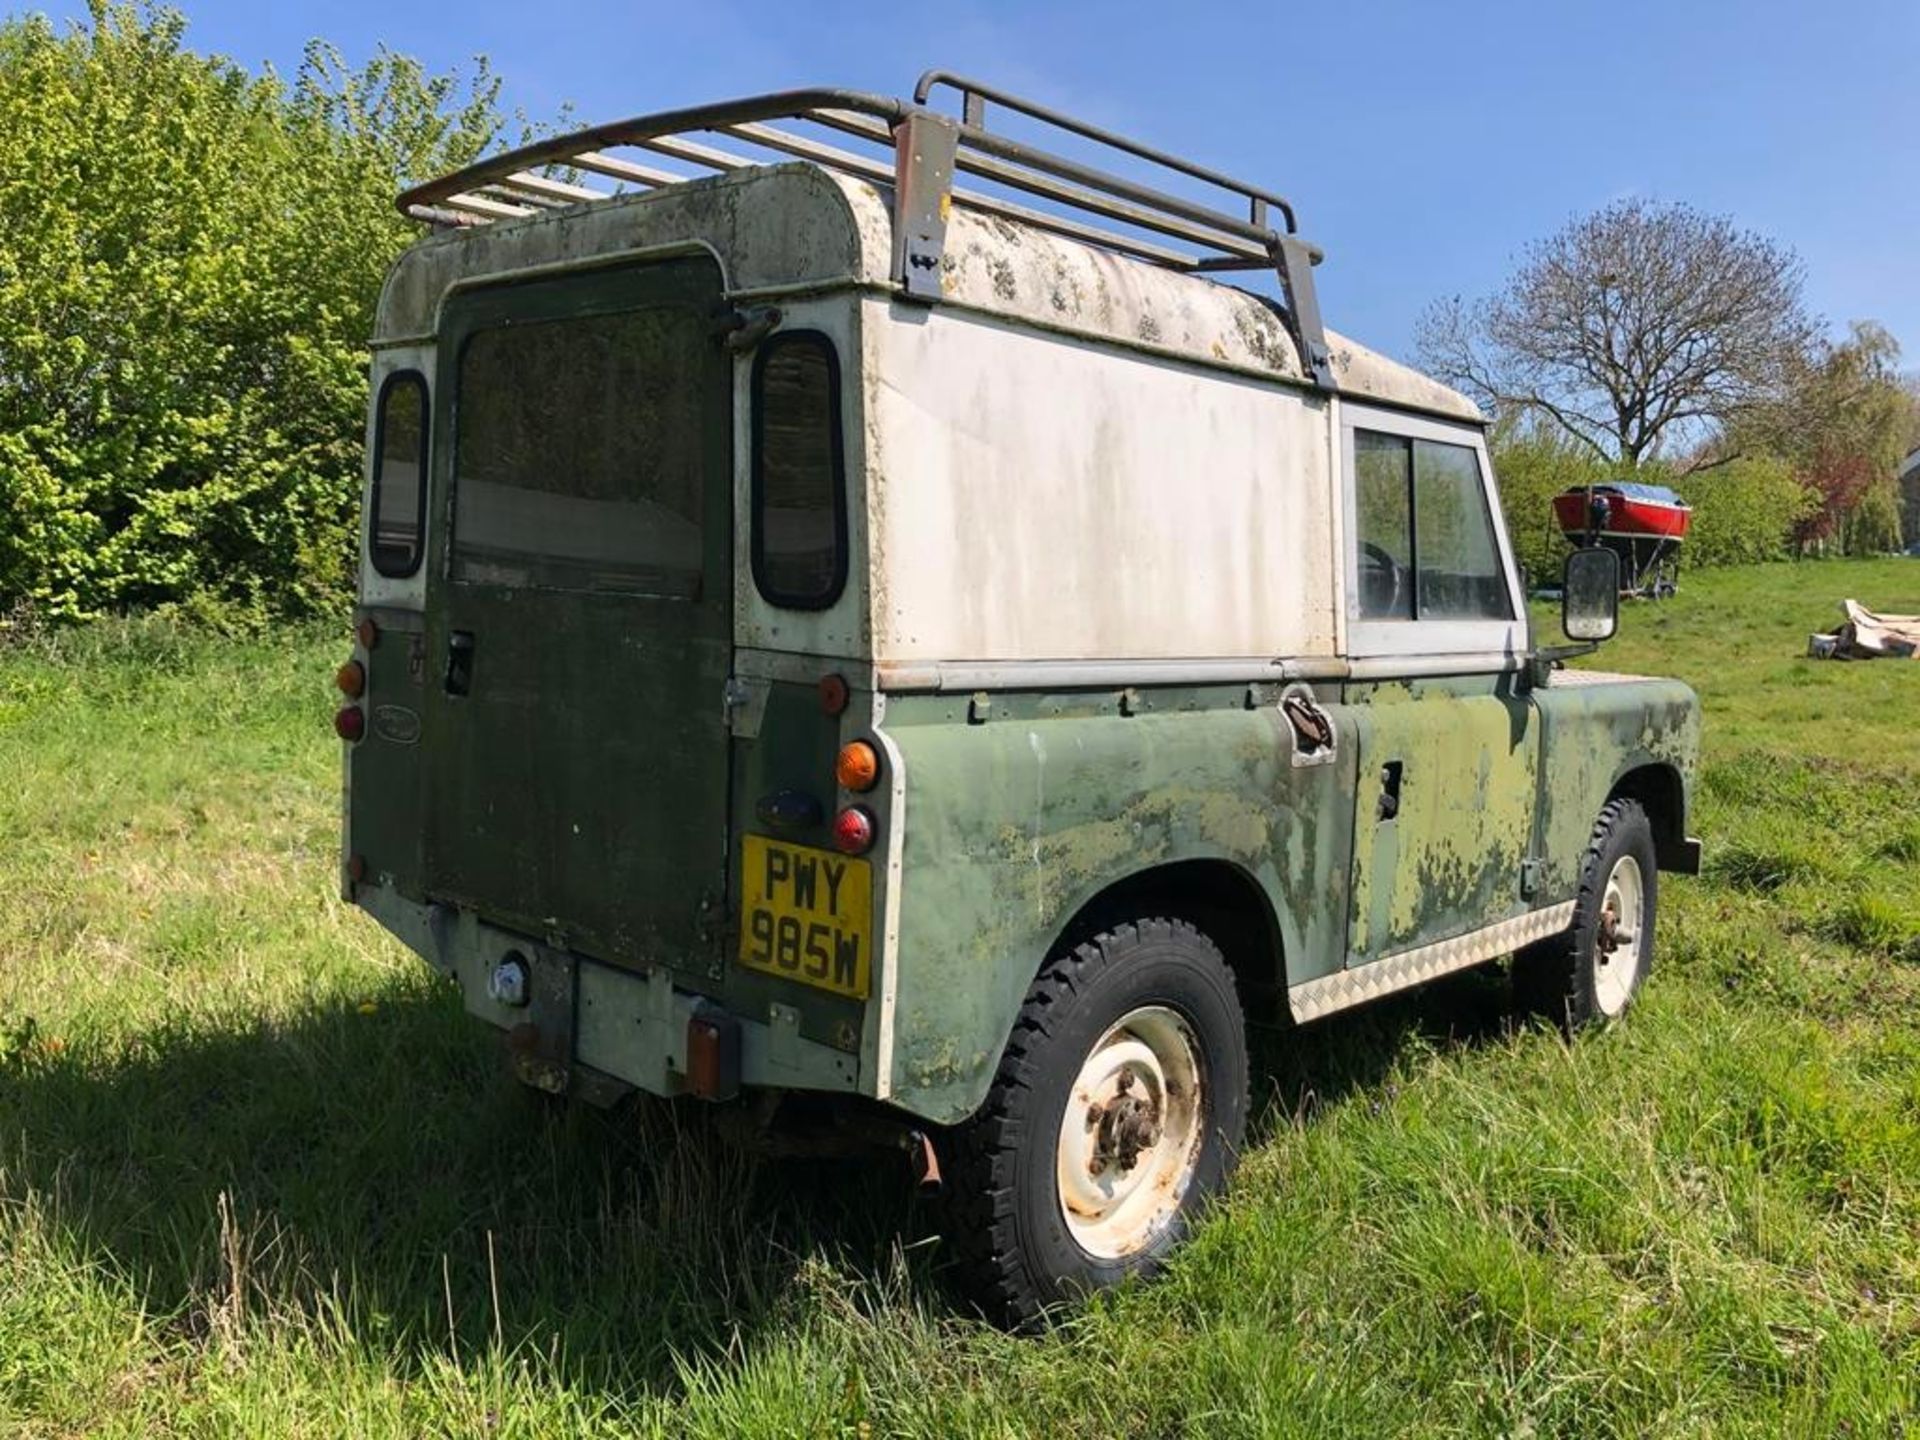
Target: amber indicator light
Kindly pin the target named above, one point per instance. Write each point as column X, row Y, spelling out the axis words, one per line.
column 352, row 679
column 857, row 766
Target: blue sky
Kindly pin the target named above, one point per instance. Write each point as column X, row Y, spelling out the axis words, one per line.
column 1423, row 143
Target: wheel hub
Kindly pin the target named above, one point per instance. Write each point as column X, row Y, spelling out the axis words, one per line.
column 1617, row 942
column 1610, row 926
column 1126, row 1127
column 1131, row 1133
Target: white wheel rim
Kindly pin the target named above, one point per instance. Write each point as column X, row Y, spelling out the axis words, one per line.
column 1618, row 944
column 1130, row 1138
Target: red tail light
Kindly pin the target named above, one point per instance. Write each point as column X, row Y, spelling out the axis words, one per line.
column 350, row 723
column 853, row 830
column 367, row 633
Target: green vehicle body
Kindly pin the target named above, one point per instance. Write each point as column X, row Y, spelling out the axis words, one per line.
column 566, row 777
column 1069, row 807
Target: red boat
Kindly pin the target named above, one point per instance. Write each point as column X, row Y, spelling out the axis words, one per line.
column 1644, row 525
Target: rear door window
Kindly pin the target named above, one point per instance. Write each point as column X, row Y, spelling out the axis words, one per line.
column 799, row 490
column 578, row 463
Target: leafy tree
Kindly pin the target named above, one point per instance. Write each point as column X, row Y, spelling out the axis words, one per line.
column 1631, row 329
column 1744, row 510
column 189, row 259
column 1843, row 424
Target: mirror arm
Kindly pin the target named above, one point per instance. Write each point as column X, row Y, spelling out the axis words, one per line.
column 1542, row 662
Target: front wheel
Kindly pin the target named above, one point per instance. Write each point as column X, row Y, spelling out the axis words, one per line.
column 1590, row 974
column 1118, row 1109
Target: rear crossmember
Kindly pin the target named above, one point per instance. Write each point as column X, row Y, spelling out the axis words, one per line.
column 928, row 149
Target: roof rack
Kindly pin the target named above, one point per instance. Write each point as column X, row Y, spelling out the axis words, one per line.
column 919, row 152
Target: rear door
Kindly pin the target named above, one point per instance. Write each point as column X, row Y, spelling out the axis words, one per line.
column 580, row 612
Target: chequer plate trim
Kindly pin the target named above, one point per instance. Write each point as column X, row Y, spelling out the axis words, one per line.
column 1313, row 998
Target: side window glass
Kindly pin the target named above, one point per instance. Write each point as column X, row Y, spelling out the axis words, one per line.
column 1426, row 547
column 1459, row 561
column 399, row 475
column 1383, row 500
column 799, row 491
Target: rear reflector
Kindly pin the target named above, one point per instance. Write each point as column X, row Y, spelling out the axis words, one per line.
column 350, row 723
column 834, row 694
column 713, row 1055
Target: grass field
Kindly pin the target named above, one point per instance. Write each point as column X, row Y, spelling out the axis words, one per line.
column 258, row 1174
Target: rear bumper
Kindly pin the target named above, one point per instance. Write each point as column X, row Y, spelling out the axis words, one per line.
column 584, row 1020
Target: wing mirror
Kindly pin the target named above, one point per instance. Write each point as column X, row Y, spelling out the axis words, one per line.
column 1590, row 594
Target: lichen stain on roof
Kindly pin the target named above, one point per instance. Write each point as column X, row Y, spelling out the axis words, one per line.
column 798, row 223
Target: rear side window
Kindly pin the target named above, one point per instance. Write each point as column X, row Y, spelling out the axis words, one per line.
column 1427, row 548
column 399, row 500
column 578, row 462
column 799, row 491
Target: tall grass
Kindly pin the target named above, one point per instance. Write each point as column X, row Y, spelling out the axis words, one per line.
column 260, row 1175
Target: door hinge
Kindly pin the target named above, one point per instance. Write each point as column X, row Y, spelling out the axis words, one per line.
column 1530, row 876
column 743, row 706
column 741, row 330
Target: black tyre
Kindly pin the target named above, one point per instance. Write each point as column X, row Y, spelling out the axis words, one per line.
column 1117, row 1110
column 1589, row 974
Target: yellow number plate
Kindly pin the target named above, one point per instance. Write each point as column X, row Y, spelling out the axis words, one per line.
column 806, row 914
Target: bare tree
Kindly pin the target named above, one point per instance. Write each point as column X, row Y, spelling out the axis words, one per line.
column 1636, row 324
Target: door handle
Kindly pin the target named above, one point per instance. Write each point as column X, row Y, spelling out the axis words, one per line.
column 459, row 679
column 1390, row 789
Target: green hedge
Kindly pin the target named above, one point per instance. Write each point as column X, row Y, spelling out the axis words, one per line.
column 189, row 258
column 1744, row 511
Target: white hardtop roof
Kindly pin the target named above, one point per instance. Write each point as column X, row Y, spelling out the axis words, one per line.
column 1094, row 260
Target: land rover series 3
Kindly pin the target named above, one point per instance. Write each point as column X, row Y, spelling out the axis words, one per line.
column 830, row 630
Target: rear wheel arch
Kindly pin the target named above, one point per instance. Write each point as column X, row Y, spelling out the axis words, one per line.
column 1220, row 899
column 1661, row 793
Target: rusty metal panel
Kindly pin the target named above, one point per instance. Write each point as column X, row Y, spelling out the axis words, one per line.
column 1596, row 730
column 1443, row 812
column 1019, row 820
